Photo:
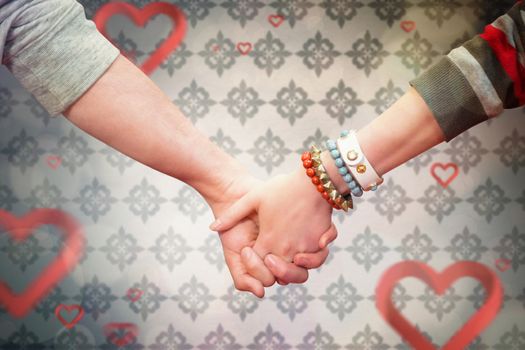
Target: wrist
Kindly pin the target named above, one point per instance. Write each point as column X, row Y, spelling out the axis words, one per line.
column 224, row 184
column 331, row 169
column 310, row 190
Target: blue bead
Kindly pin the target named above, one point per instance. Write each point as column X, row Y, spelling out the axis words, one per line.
column 330, row 144
column 344, row 133
column 343, row 171
column 339, row 162
column 373, row 188
column 357, row 192
column 347, row 177
column 335, row 153
column 352, row 184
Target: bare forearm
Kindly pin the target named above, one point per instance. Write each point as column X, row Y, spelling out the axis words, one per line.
column 127, row 111
column 402, row 132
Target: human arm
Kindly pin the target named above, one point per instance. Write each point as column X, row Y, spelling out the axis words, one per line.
column 473, row 83
column 60, row 57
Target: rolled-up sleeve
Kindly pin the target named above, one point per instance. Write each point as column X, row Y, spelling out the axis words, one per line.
column 479, row 79
column 53, row 50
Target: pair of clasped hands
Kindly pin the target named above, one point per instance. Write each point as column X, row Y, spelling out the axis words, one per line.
column 273, row 231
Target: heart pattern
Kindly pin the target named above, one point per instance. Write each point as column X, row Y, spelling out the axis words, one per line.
column 140, row 17
column 69, row 308
column 439, row 282
column 19, row 304
column 408, row 26
column 444, row 173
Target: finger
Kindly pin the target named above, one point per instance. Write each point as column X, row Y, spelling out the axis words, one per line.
column 329, row 236
column 311, row 260
column 284, row 271
column 255, row 267
column 282, row 283
column 240, row 209
column 241, row 279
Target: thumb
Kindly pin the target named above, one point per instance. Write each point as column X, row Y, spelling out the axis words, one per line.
column 236, row 212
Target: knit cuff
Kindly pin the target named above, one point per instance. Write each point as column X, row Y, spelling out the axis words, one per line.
column 450, row 98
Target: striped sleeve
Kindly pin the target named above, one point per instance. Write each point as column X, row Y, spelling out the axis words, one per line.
column 479, row 79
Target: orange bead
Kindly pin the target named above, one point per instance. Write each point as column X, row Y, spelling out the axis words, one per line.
column 306, row 155
column 337, row 207
column 311, row 173
column 320, row 188
column 315, row 180
column 331, row 201
column 307, row 163
column 325, row 195
column 338, row 200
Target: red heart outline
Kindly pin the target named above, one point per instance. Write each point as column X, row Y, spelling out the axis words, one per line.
column 140, row 17
column 408, row 26
column 18, row 305
column 134, row 294
column 447, row 182
column 53, row 161
column 439, row 282
column 276, row 20
column 69, row 308
column 244, row 48
column 130, row 334
column 503, row 264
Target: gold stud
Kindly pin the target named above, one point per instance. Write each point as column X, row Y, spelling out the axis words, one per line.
column 361, row 168
column 327, row 185
column 320, row 168
column 323, row 177
column 333, row 194
column 352, row 155
column 344, row 205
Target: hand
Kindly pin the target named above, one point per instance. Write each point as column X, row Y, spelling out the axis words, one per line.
column 293, row 219
column 255, row 276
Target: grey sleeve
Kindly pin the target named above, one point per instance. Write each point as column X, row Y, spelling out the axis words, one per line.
column 53, row 50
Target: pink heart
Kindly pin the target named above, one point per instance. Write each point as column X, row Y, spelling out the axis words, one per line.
column 53, row 161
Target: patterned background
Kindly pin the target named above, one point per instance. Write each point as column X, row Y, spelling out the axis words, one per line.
column 330, row 65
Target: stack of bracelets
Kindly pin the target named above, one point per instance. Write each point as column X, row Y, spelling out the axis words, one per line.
column 352, row 165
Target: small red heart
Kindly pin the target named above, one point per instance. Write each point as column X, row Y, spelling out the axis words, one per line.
column 439, row 282
column 276, row 20
column 141, row 17
column 69, row 308
column 111, row 331
column 134, row 294
column 444, row 181
column 244, row 48
column 19, row 305
column 503, row 264
column 53, row 161
column 408, row 26
column 216, row 48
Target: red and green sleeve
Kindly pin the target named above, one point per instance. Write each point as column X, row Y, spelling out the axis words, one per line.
column 479, row 79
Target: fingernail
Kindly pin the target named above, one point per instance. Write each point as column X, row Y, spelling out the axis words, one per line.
column 215, row 225
column 270, row 260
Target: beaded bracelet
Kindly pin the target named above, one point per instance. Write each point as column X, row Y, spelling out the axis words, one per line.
column 316, row 171
column 342, row 169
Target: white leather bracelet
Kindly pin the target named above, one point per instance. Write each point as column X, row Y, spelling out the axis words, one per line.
column 357, row 163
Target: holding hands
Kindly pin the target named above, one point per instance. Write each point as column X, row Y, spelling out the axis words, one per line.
column 273, row 230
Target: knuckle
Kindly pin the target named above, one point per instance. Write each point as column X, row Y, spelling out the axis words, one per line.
column 240, row 285
column 269, row 282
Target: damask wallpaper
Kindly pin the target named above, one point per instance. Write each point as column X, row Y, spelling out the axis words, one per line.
column 265, row 79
